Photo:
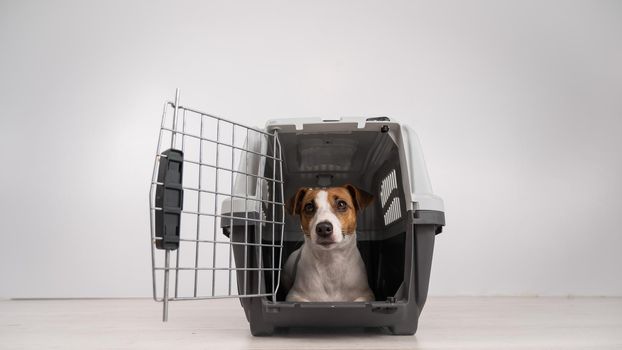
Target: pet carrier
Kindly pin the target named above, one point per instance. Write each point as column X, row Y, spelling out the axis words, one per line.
column 219, row 227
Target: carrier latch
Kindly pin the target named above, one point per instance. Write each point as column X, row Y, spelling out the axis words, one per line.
column 169, row 199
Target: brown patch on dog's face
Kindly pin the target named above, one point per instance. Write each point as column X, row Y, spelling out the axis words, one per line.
column 344, row 208
column 303, row 204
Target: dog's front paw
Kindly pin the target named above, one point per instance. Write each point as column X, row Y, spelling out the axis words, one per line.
column 295, row 297
column 369, row 296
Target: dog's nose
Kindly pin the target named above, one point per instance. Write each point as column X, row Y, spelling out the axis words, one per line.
column 324, row 229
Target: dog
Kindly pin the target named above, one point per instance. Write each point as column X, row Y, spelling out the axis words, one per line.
column 328, row 266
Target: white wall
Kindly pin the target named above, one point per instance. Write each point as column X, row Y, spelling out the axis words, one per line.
column 518, row 105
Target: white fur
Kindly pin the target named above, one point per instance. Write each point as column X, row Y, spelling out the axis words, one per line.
column 327, row 273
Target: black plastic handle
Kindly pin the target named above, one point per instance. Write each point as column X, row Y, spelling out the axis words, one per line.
column 170, row 198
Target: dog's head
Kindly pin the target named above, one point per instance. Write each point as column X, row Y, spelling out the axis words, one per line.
column 328, row 215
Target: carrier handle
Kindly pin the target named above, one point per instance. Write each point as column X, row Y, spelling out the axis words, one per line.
column 169, row 198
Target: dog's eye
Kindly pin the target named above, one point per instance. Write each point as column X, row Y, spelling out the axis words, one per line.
column 342, row 205
column 309, row 207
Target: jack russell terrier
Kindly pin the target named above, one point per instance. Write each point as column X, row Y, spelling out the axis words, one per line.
column 328, row 266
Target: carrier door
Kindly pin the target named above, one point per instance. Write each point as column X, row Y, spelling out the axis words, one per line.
column 217, row 209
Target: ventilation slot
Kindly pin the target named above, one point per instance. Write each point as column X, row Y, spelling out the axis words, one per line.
column 388, row 194
column 394, row 212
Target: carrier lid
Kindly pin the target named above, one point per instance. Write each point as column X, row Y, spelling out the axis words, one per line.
column 420, row 195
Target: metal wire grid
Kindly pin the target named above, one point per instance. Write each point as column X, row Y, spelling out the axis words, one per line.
column 226, row 166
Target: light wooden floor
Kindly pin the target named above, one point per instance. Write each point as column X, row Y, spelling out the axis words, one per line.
column 446, row 323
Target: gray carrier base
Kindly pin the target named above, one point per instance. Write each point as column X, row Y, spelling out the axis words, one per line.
column 398, row 269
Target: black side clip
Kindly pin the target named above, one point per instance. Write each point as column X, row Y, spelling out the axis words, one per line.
column 170, row 198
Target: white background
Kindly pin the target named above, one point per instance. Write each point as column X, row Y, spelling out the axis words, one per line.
column 518, row 106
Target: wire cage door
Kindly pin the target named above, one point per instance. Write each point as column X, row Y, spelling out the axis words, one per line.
column 216, row 209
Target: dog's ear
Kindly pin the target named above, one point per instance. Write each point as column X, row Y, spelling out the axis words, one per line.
column 294, row 202
column 361, row 198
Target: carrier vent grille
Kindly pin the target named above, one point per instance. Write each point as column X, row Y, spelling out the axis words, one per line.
column 394, row 212
column 388, row 193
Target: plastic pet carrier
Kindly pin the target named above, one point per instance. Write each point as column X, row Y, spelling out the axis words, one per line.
column 219, row 227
